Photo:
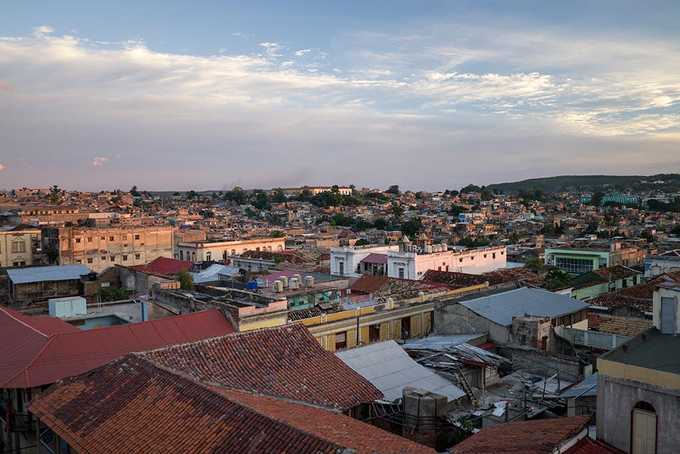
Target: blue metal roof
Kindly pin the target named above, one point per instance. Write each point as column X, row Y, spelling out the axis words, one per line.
column 500, row 308
column 46, row 273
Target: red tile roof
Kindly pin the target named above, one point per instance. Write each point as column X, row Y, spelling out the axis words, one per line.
column 589, row 446
column 378, row 259
column 133, row 405
column 36, row 351
column 165, row 266
column 285, row 362
column 525, row 437
column 369, row 284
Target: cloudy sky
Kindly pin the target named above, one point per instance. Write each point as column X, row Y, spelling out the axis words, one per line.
column 424, row 94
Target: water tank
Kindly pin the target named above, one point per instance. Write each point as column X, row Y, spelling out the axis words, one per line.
column 309, row 281
column 277, row 286
column 70, row 306
column 294, row 283
column 284, row 281
column 298, row 277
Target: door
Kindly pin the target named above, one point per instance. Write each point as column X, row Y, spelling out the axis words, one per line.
column 644, row 432
column 668, row 312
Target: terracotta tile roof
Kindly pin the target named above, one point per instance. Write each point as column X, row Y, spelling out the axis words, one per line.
column 458, row 280
column 132, row 405
column 589, row 446
column 165, row 266
column 638, row 297
column 368, row 284
column 525, row 437
column 285, row 362
column 36, row 351
column 618, row 325
column 379, row 259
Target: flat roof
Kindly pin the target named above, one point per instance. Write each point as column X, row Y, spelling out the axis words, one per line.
column 649, row 350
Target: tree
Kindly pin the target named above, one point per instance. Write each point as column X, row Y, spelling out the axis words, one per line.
column 361, row 242
column 191, row 194
column 470, row 188
column 596, row 199
column 380, row 224
column 134, row 192
column 261, row 201
column 394, row 189
column 186, row 282
column 277, row 234
column 675, row 230
column 534, row 264
column 397, row 210
column 55, row 194
column 278, row 196
column 412, row 227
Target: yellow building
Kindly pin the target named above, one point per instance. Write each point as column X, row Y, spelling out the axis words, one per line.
column 19, row 247
column 102, row 247
column 205, row 251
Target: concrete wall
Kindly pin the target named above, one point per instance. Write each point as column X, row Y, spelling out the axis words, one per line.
column 454, row 318
column 616, row 399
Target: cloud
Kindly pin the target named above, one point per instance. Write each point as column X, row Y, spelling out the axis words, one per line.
column 433, row 124
column 2, row 167
column 271, row 49
column 43, row 30
column 100, row 161
column 302, row 52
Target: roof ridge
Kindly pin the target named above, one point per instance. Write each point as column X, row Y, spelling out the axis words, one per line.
column 13, row 317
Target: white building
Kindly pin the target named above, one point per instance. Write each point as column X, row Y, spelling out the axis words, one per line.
column 205, row 251
column 413, row 262
column 660, row 264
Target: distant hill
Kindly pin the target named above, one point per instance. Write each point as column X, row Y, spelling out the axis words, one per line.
column 562, row 183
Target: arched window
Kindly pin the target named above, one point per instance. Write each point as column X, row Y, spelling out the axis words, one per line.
column 643, row 429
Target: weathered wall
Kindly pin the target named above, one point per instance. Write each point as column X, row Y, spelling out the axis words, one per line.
column 542, row 363
column 615, row 401
column 454, row 318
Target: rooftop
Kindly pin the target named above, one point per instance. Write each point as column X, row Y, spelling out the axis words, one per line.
column 502, row 307
column 136, row 405
column 286, row 362
column 39, row 350
column 391, row 369
column 53, row 273
column 649, row 350
column 526, row 437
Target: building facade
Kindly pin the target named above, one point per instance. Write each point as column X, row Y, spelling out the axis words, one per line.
column 638, row 402
column 102, row 247
column 405, row 264
column 19, row 247
column 206, row 251
column 587, row 259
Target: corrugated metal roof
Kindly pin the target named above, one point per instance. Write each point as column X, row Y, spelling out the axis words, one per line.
column 390, row 369
column 47, row 273
column 502, row 307
column 440, row 342
column 587, row 387
column 213, row 272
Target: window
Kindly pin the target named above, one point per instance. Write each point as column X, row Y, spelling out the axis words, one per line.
column 374, row 333
column 113, row 258
column 181, row 255
column 111, row 238
column 138, row 256
column 341, row 340
column 18, row 246
column 89, row 239
column 77, row 240
column 125, row 258
column 493, row 256
column 103, row 238
column 341, row 268
column 89, row 260
column 137, row 236
column 208, row 256
column 401, row 272
column 574, row 266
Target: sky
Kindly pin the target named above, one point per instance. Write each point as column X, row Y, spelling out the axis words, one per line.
column 177, row 95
